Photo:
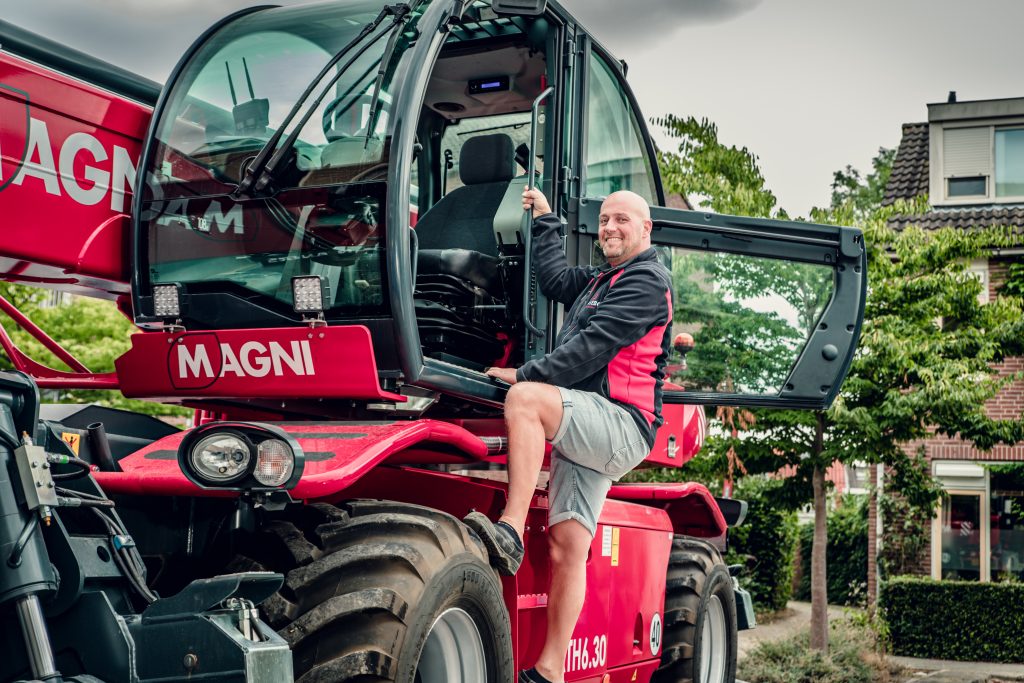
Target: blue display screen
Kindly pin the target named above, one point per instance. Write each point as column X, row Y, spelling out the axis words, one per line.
column 485, row 85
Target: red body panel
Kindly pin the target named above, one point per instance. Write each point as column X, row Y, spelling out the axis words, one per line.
column 69, row 150
column 287, row 362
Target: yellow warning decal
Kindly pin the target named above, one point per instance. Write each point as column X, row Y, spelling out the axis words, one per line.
column 73, row 439
column 615, row 546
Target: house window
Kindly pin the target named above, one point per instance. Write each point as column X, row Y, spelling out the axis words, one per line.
column 1006, row 509
column 983, row 163
column 960, row 521
column 979, row 532
column 976, row 186
column 1010, row 162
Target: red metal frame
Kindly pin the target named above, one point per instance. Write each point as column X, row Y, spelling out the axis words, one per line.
column 47, row 377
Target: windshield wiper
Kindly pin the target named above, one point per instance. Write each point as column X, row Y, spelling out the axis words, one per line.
column 385, row 62
column 260, row 173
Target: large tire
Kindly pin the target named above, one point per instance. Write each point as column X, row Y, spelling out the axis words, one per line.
column 379, row 591
column 699, row 645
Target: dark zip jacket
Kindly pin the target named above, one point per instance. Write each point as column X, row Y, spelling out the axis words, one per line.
column 615, row 337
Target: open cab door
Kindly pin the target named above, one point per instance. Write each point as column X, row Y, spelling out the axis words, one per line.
column 773, row 308
column 766, row 312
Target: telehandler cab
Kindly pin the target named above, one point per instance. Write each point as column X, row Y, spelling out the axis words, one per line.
column 316, row 226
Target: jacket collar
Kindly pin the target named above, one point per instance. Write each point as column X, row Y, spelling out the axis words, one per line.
column 648, row 254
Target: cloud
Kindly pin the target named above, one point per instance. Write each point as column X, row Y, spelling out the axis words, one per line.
column 615, row 23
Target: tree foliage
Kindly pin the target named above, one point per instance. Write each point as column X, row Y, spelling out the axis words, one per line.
column 725, row 179
column 863, row 195
column 93, row 331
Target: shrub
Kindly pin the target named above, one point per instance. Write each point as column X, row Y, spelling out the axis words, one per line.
column 851, row 658
column 765, row 544
column 956, row 620
column 846, row 555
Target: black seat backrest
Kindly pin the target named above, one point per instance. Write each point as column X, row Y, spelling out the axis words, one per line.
column 464, row 218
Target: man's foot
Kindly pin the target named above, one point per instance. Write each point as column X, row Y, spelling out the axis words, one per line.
column 531, row 676
column 501, row 540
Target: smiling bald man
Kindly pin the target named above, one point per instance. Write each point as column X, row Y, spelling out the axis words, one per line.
column 596, row 398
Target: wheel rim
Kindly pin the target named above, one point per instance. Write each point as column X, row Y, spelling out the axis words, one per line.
column 454, row 650
column 714, row 650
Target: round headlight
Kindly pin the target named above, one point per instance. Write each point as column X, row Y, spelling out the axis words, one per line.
column 275, row 463
column 221, row 458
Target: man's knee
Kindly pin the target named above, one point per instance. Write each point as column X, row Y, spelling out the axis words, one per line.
column 569, row 543
column 533, row 400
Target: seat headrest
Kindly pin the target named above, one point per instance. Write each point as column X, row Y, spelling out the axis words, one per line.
column 487, row 159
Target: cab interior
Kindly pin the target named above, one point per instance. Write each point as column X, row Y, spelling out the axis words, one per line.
column 471, row 165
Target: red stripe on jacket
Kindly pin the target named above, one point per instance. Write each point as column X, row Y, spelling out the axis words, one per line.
column 631, row 372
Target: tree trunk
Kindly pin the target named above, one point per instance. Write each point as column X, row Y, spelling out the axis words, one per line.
column 819, row 586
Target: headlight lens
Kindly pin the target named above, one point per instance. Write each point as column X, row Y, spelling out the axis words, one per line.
column 222, row 457
column 275, row 463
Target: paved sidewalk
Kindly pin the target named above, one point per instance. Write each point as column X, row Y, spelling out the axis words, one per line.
column 942, row 671
column 798, row 618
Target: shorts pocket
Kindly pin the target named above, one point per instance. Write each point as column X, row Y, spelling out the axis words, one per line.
column 625, row 459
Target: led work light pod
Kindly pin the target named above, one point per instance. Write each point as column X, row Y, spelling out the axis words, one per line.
column 241, row 456
column 309, row 294
column 167, row 301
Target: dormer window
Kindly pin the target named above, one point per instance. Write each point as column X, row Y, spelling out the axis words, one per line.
column 1009, row 162
column 981, row 164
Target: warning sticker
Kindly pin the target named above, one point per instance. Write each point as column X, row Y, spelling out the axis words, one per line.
column 606, row 541
column 615, row 546
column 73, row 439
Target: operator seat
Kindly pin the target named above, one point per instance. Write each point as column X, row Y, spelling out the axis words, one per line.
column 461, row 297
column 464, row 218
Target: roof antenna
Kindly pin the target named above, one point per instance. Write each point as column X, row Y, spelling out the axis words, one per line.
column 952, row 97
column 248, row 80
column 231, row 84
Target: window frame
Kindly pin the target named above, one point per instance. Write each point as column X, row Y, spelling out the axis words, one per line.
column 960, row 484
column 939, row 178
column 591, row 48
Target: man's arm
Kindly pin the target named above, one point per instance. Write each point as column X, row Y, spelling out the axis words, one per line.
column 556, row 278
column 637, row 303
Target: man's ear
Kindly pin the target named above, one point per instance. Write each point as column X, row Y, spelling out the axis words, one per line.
column 648, row 227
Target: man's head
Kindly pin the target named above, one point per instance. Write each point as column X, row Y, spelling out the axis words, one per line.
column 625, row 226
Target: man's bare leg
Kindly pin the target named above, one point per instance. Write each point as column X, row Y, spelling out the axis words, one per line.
column 533, row 412
column 570, row 542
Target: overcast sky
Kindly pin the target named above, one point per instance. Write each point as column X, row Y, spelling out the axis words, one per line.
column 807, row 85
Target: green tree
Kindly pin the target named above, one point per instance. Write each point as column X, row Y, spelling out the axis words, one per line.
column 864, row 195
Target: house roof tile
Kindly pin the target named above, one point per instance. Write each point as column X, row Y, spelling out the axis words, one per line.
column 909, row 179
column 909, row 176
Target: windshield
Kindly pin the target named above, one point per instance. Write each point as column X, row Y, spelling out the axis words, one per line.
column 326, row 215
column 242, row 83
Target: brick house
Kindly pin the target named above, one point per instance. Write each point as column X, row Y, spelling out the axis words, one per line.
column 968, row 160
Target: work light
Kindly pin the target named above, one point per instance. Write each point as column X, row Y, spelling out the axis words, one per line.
column 167, row 300
column 309, row 294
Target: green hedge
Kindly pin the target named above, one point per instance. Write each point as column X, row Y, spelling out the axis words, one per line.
column 765, row 544
column 846, row 556
column 956, row 620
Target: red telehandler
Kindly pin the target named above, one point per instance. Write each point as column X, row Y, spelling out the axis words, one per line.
column 315, row 225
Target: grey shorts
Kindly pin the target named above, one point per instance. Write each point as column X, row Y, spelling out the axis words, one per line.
column 596, row 443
